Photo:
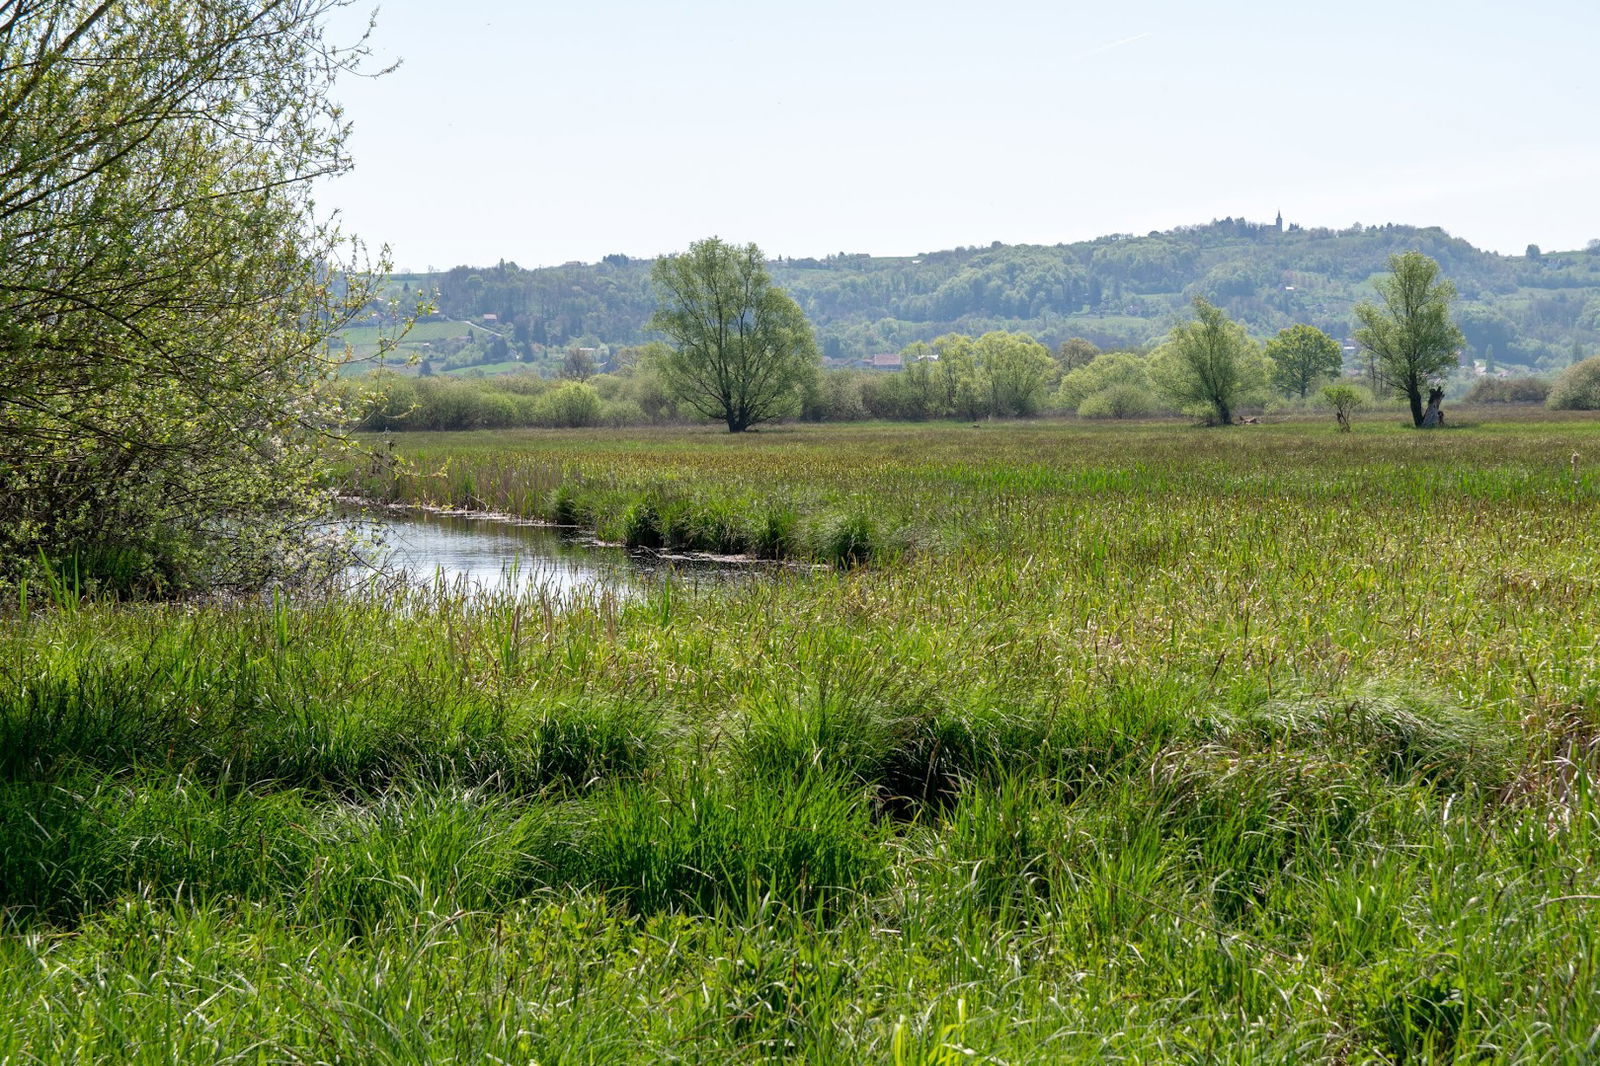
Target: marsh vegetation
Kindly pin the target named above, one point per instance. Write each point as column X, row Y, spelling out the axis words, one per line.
column 1125, row 743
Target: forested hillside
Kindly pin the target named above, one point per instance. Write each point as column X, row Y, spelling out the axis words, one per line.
column 1536, row 310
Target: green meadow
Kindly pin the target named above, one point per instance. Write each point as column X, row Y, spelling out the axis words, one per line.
column 1058, row 742
column 366, row 341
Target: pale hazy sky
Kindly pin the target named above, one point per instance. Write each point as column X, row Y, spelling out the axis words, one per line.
column 544, row 132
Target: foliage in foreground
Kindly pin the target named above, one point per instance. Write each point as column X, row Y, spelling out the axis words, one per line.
column 1271, row 746
column 166, row 290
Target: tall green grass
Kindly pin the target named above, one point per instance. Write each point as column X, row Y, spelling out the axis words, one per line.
column 1127, row 744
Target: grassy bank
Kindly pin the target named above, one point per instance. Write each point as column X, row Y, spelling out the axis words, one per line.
column 1143, row 744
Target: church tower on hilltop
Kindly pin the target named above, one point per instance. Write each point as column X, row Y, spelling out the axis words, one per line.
column 1279, row 222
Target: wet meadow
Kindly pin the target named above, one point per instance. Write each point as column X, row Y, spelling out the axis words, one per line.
column 1052, row 742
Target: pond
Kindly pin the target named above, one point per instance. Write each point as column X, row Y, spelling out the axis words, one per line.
column 492, row 554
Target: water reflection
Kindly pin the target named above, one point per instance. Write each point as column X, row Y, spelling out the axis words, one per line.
column 497, row 555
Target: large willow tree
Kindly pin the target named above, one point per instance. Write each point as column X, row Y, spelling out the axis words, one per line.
column 1410, row 332
column 167, row 292
column 741, row 348
column 1208, row 366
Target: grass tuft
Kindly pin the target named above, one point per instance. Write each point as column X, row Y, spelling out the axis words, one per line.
column 847, row 540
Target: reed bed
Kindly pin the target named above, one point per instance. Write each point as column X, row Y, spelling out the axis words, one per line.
column 1135, row 744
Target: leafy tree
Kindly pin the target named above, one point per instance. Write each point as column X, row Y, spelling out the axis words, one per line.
column 965, row 391
column 1208, row 366
column 578, row 365
column 1410, row 336
column 918, row 388
column 1016, row 368
column 1301, row 356
column 1343, row 398
column 1076, row 352
column 1485, row 328
column 741, row 347
column 1113, row 369
column 167, row 293
column 911, row 394
column 861, row 305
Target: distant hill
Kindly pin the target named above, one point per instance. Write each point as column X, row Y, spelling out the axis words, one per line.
column 1533, row 311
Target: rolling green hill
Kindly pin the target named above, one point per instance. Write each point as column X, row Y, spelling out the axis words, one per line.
column 1533, row 311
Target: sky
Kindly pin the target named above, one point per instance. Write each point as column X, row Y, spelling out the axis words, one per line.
column 542, row 132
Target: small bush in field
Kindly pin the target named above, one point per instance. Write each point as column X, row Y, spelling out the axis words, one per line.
column 1525, row 389
column 1578, row 387
column 1118, row 401
column 1344, row 399
column 570, row 405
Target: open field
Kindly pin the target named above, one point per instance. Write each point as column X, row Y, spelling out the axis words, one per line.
column 1115, row 743
column 510, row 366
column 364, row 341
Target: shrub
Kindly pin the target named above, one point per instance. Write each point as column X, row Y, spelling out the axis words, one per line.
column 1524, row 389
column 1578, row 387
column 836, row 397
column 171, row 301
column 619, row 413
column 569, row 405
column 444, row 403
column 1118, row 401
column 391, row 403
column 904, row 395
column 1343, row 399
column 1112, row 368
column 646, row 389
column 521, row 383
column 490, row 409
column 528, row 408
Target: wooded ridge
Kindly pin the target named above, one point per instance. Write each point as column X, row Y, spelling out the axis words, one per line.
column 1536, row 311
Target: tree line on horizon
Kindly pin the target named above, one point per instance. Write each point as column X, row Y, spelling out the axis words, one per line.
column 739, row 350
column 1530, row 313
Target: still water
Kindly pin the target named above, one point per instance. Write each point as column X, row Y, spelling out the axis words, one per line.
column 497, row 555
